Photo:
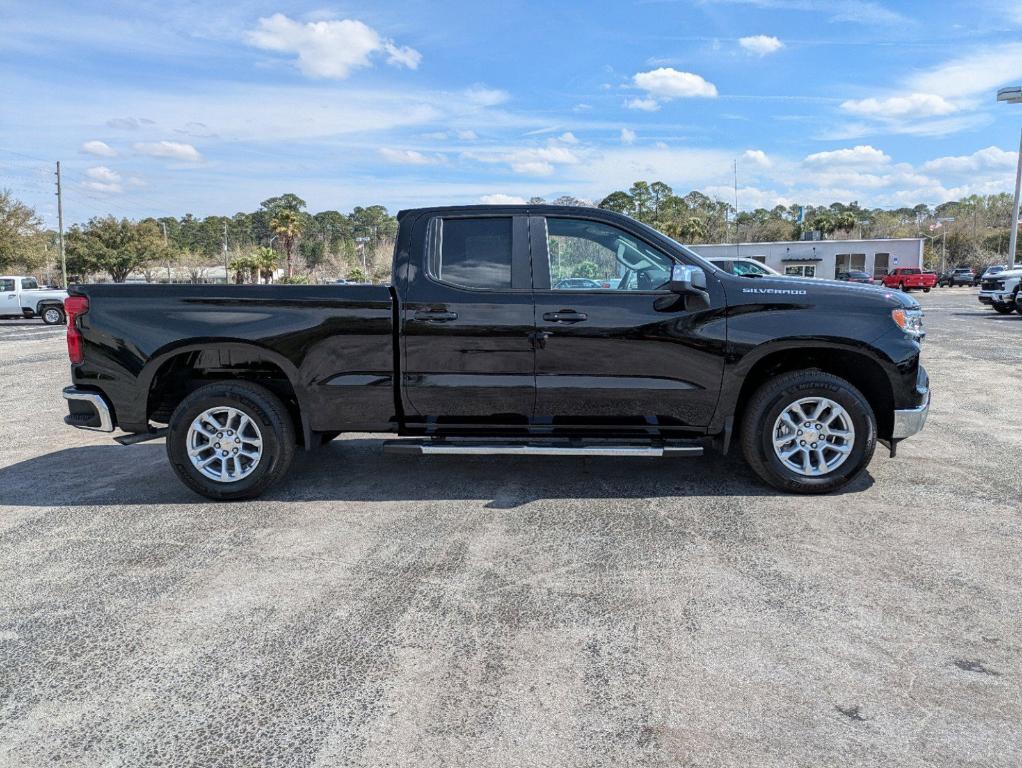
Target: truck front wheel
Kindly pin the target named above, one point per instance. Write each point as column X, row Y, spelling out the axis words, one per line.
column 230, row 440
column 1004, row 309
column 808, row 432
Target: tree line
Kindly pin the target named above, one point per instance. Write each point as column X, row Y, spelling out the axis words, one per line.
column 283, row 241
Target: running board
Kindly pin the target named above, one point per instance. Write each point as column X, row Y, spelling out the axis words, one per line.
column 466, row 448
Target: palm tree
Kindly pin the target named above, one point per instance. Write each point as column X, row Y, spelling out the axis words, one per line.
column 689, row 229
column 266, row 260
column 287, row 225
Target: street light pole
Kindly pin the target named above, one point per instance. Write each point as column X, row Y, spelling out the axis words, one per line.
column 1013, row 237
column 1013, row 95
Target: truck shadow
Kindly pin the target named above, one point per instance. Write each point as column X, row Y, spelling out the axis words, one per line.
column 358, row 470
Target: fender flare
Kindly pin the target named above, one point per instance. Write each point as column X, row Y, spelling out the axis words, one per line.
column 156, row 361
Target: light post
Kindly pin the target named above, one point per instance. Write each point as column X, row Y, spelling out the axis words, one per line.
column 1013, row 95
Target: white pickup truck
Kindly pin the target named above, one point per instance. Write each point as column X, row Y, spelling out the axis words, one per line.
column 21, row 296
column 1001, row 290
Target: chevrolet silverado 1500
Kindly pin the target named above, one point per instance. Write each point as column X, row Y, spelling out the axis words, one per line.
column 473, row 348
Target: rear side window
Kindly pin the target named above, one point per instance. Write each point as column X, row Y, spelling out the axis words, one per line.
column 29, row 284
column 475, row 253
column 6, row 285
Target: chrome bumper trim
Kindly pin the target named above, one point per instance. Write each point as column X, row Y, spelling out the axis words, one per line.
column 909, row 421
column 106, row 422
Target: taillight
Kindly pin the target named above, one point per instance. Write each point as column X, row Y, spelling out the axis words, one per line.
column 74, row 307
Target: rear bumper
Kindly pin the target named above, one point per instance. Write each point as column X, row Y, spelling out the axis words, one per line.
column 88, row 410
column 909, row 421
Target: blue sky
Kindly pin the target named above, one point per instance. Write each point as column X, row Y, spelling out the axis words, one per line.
column 167, row 108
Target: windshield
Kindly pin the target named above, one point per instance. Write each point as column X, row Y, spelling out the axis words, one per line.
column 743, row 267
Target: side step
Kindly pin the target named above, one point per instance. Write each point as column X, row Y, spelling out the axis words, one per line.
column 537, row 448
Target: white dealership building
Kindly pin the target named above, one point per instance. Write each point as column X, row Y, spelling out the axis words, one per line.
column 825, row 258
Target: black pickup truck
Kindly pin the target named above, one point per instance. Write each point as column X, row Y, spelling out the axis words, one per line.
column 474, row 349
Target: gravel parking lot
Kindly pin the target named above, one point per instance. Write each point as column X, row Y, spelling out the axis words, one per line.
column 390, row 611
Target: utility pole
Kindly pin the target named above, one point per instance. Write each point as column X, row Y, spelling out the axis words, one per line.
column 163, row 225
column 227, row 279
column 60, row 228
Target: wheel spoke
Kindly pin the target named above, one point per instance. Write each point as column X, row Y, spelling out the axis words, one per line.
column 211, row 461
column 830, row 448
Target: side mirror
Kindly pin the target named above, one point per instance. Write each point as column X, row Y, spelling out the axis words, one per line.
column 686, row 280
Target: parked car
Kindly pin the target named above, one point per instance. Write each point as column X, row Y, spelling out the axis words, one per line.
column 855, row 277
column 992, row 270
column 470, row 351
column 21, row 296
column 907, row 278
column 957, row 276
column 740, row 266
column 578, row 283
column 1001, row 290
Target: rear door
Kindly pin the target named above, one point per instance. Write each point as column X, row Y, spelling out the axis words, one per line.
column 468, row 321
column 633, row 354
column 9, row 304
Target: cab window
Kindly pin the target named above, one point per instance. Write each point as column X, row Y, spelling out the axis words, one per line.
column 474, row 253
column 6, row 285
column 29, row 284
column 593, row 256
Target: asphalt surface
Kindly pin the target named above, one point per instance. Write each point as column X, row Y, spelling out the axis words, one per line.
column 390, row 611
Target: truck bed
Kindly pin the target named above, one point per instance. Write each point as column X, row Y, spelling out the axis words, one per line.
column 331, row 341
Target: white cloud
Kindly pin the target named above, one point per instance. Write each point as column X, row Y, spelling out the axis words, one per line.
column 972, row 74
column 329, row 49
column 913, row 105
column 102, row 179
column 99, row 149
column 757, row 156
column 408, row 157
column 760, row 44
column 486, row 97
column 530, row 161
column 568, row 138
column 467, row 135
column 627, row 136
column 666, row 83
column 859, row 156
column 502, row 199
column 991, row 158
column 646, row 105
column 170, row 149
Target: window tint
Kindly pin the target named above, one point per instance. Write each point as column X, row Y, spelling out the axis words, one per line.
column 475, row 253
column 592, row 256
column 6, row 285
column 29, row 284
column 747, row 268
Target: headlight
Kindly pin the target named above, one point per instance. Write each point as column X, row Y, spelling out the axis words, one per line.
column 910, row 321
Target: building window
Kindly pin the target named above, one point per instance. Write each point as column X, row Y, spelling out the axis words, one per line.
column 881, row 264
column 800, row 270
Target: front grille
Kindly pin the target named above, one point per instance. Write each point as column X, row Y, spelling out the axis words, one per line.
column 993, row 285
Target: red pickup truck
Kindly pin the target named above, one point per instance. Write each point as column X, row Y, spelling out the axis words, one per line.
column 907, row 278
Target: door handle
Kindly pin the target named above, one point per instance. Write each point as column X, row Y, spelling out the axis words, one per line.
column 565, row 316
column 435, row 316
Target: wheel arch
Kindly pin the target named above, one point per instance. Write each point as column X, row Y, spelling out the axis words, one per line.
column 170, row 375
column 856, row 366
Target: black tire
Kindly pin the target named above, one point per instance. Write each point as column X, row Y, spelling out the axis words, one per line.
column 1004, row 309
column 53, row 315
column 901, row 287
column 259, row 404
column 926, row 290
column 766, row 406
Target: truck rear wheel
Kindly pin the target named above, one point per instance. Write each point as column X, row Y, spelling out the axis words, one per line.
column 230, row 440
column 808, row 432
column 52, row 315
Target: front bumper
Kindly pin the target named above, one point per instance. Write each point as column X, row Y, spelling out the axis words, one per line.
column 88, row 410
column 996, row 297
column 909, row 421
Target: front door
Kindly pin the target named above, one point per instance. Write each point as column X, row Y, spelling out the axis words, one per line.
column 614, row 347
column 468, row 324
